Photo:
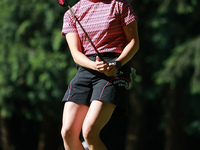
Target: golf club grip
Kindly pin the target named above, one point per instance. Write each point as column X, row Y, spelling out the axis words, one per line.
column 100, row 56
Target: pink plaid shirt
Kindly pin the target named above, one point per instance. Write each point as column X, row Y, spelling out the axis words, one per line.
column 103, row 21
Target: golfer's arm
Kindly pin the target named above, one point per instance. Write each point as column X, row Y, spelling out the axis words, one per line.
column 75, row 49
column 132, row 47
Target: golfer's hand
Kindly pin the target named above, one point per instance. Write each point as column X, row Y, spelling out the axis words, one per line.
column 111, row 70
column 101, row 66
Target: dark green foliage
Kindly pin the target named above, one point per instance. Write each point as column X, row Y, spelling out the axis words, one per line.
column 34, row 58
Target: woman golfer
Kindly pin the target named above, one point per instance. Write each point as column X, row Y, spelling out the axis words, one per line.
column 99, row 88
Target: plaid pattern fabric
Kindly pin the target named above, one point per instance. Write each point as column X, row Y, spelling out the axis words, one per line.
column 103, row 21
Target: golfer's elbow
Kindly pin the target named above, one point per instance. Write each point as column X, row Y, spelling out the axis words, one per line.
column 135, row 45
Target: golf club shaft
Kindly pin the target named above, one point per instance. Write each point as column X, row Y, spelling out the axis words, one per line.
column 86, row 34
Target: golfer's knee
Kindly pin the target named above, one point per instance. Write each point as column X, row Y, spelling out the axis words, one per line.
column 66, row 134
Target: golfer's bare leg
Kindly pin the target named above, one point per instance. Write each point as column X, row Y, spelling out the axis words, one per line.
column 98, row 115
column 73, row 116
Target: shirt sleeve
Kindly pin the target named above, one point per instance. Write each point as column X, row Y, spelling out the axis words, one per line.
column 127, row 13
column 69, row 23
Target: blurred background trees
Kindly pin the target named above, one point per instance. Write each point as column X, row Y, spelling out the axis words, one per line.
column 36, row 67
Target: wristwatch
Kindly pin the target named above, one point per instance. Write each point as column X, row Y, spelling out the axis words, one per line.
column 118, row 64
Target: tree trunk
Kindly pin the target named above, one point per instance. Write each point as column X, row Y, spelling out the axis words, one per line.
column 135, row 134
column 174, row 114
column 5, row 140
column 49, row 138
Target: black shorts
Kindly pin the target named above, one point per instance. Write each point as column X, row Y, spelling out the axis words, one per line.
column 88, row 85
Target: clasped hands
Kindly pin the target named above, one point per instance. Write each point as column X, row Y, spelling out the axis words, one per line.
column 109, row 69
